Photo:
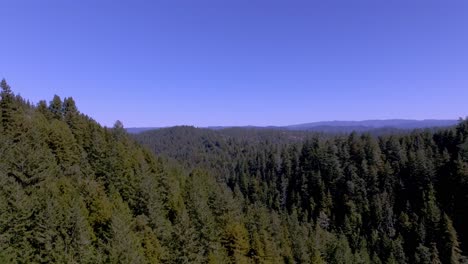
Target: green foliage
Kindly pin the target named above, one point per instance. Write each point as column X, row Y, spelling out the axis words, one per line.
column 385, row 194
column 450, row 248
column 72, row 191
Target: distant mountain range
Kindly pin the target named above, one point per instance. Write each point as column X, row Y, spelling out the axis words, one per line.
column 340, row 126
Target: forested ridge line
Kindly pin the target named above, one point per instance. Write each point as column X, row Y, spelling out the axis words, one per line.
column 72, row 191
column 398, row 196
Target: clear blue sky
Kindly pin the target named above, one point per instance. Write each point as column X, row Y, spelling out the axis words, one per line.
column 240, row 62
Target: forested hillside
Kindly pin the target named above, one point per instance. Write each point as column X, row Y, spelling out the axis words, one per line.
column 391, row 199
column 72, row 191
column 375, row 127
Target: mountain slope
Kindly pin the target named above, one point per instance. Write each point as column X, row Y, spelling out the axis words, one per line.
column 72, row 191
column 374, row 126
column 393, row 195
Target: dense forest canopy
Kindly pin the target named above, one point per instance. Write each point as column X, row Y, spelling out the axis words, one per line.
column 72, row 191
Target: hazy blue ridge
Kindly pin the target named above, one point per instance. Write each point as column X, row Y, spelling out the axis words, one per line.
column 337, row 126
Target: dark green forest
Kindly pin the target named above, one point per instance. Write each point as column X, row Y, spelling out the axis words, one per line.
column 72, row 191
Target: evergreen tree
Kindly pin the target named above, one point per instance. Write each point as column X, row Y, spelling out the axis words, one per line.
column 56, row 107
column 6, row 105
column 450, row 248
